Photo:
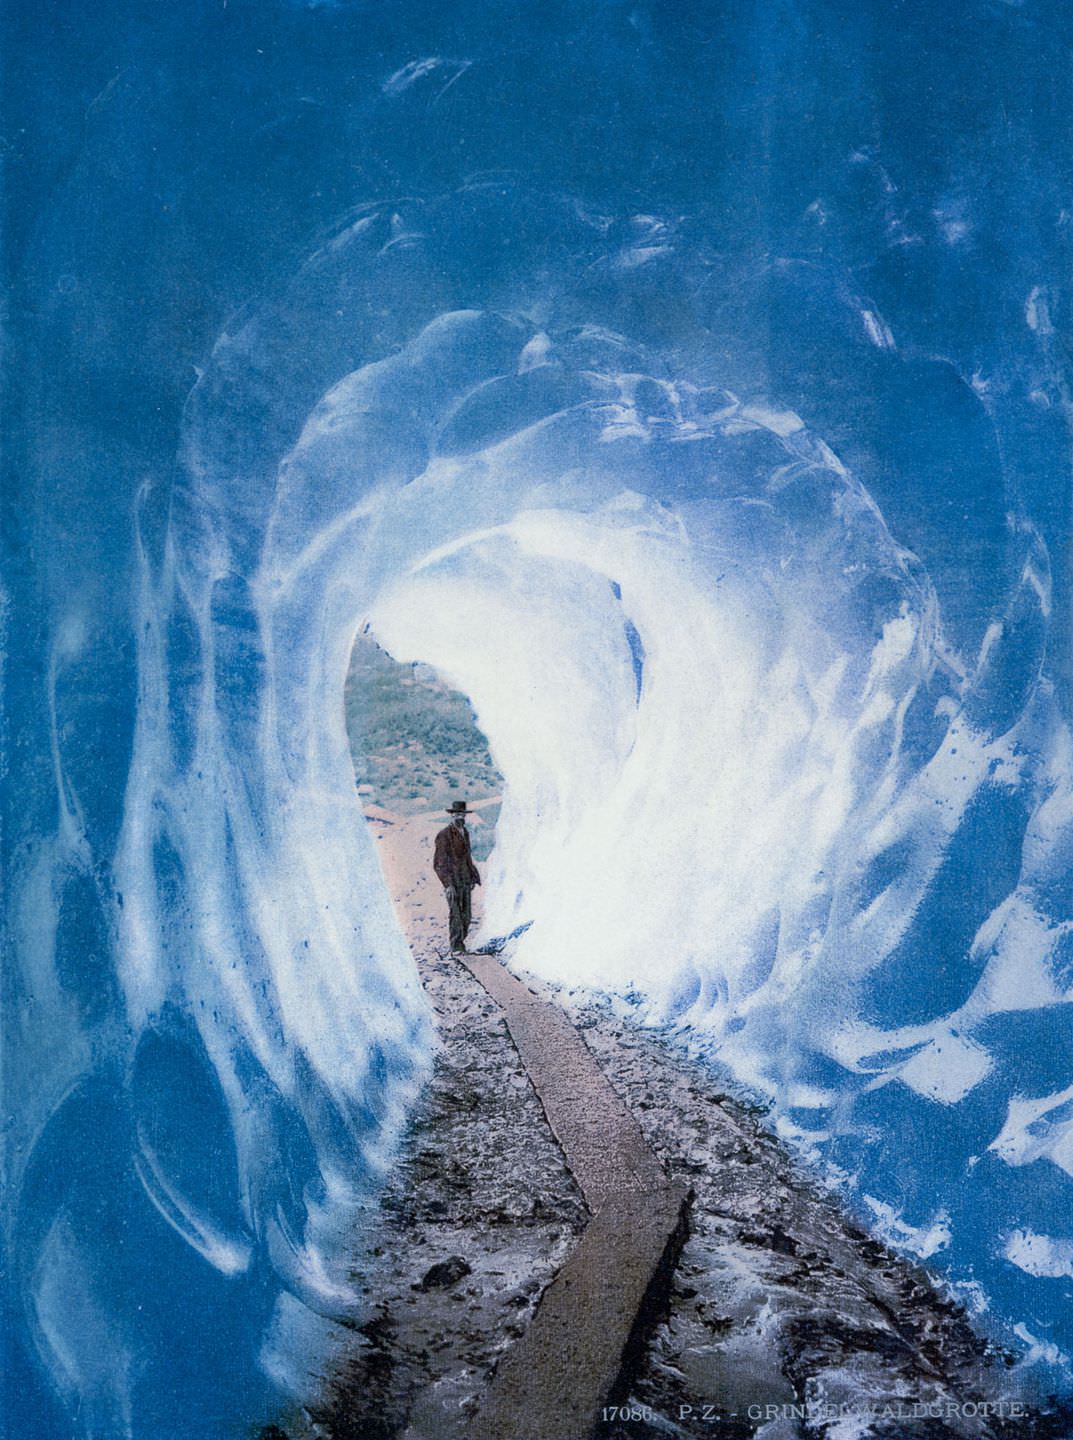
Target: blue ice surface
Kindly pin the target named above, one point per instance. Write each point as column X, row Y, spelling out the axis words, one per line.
column 299, row 293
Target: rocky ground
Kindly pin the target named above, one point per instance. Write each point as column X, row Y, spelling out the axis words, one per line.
column 780, row 1302
column 784, row 1320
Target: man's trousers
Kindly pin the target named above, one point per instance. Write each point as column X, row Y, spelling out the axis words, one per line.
column 458, row 904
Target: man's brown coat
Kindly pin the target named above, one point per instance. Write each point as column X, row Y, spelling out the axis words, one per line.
column 452, row 861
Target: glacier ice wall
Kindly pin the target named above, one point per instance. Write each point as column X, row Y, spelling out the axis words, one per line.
column 692, row 387
column 755, row 787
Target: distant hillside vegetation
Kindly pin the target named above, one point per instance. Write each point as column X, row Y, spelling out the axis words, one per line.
column 415, row 742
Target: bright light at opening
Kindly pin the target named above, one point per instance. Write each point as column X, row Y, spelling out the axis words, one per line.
column 661, row 815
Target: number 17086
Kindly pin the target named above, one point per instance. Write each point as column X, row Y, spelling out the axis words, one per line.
column 625, row 1413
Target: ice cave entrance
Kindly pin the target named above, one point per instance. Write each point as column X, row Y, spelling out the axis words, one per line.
column 416, row 747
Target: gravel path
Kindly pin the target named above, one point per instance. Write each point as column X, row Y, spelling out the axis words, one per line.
column 568, row 1364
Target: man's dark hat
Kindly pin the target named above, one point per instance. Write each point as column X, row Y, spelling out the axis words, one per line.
column 458, row 807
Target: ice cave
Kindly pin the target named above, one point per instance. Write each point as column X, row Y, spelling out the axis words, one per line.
column 781, row 701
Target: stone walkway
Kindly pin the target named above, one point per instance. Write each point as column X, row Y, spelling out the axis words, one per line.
column 554, row 1382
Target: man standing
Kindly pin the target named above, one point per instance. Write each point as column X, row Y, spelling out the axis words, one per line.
column 457, row 873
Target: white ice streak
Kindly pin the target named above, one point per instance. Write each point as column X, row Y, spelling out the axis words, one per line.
column 1040, row 1255
column 921, row 1240
column 1040, row 1128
